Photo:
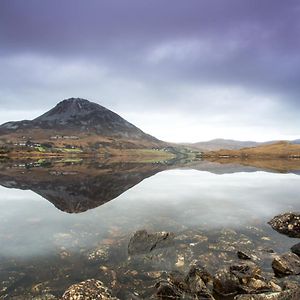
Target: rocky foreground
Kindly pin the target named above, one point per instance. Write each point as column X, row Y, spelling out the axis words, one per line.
column 187, row 264
column 243, row 280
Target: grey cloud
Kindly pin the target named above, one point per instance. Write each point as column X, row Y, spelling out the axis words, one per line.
column 167, row 55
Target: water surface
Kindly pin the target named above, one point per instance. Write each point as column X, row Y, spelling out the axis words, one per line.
column 63, row 224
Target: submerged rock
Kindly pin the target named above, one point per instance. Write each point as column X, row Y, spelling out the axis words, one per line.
column 243, row 255
column 167, row 290
column 286, row 264
column 197, row 280
column 287, row 223
column 143, row 242
column 225, row 283
column 285, row 295
column 192, row 286
column 296, row 249
column 90, row 289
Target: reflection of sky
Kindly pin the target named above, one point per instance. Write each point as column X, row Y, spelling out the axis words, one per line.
column 31, row 225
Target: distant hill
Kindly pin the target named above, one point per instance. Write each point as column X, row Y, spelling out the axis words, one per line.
column 218, row 144
column 227, row 144
column 281, row 149
column 296, row 142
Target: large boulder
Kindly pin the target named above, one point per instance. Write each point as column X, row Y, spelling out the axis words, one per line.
column 287, row 223
column 286, row 264
column 90, row 289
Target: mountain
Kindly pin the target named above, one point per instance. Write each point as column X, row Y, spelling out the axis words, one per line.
column 80, row 115
column 75, row 125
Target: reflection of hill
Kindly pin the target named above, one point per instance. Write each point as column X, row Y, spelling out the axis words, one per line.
column 268, row 165
column 75, row 188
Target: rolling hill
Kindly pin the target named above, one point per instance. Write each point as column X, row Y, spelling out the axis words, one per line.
column 281, row 149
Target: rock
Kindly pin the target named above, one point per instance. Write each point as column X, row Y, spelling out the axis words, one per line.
column 288, row 224
column 197, row 279
column 243, row 255
column 166, row 290
column 225, row 283
column 90, row 289
column 177, row 278
column 286, row 264
column 285, row 295
column 296, row 249
column 142, row 242
column 198, row 270
column 245, row 271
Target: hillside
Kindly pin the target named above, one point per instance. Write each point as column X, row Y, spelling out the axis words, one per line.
column 281, row 149
column 75, row 125
column 218, row 144
column 80, row 116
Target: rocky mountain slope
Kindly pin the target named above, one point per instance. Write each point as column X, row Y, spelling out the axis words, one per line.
column 79, row 116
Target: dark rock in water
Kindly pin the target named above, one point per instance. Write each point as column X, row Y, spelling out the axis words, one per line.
column 243, row 255
column 142, row 242
column 288, row 224
column 285, row 295
column 177, row 278
column 198, row 270
column 192, row 286
column 166, row 290
column 90, row 289
column 250, row 279
column 296, row 249
column 225, row 283
column 197, row 279
column 245, row 271
column 286, row 264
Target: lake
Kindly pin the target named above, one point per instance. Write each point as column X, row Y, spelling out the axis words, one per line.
column 67, row 222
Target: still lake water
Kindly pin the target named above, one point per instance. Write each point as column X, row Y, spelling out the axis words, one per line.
column 45, row 249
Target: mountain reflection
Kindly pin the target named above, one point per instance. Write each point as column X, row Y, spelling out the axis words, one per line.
column 77, row 186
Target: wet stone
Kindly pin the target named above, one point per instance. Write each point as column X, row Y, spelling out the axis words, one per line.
column 286, row 264
column 101, row 253
column 167, row 290
column 287, row 223
column 296, row 249
column 225, row 283
column 245, row 271
column 243, row 255
column 143, row 242
column 90, row 289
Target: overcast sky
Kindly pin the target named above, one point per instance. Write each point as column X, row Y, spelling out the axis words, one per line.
column 180, row 70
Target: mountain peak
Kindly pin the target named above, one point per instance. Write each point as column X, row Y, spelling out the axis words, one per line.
column 70, row 108
column 75, row 101
column 80, row 115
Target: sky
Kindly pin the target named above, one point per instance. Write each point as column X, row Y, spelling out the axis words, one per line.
column 183, row 71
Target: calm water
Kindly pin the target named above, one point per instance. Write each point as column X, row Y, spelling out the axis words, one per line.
column 45, row 248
